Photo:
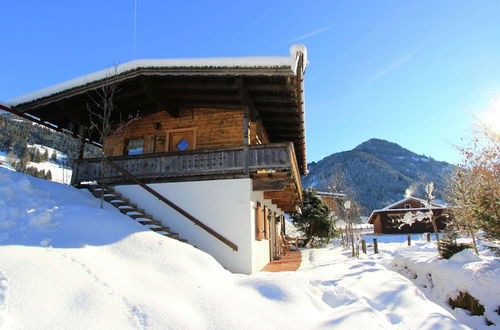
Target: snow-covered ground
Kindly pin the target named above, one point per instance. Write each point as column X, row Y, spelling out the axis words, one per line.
column 60, row 172
column 66, row 264
column 4, row 161
column 441, row 279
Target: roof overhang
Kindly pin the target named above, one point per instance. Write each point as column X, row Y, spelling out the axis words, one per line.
column 272, row 87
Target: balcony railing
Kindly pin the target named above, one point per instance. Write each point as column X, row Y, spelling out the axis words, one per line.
column 178, row 166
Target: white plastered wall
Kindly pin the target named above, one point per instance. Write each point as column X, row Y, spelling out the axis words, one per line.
column 226, row 206
column 223, row 205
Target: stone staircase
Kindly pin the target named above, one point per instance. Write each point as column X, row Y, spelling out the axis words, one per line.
column 130, row 209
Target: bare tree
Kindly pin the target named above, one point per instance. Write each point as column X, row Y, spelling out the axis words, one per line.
column 347, row 207
column 102, row 113
column 461, row 188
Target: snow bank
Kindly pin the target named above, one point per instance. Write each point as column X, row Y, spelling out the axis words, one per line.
column 66, row 264
column 442, row 279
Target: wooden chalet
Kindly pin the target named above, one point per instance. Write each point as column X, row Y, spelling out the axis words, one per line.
column 206, row 129
column 332, row 200
column 387, row 220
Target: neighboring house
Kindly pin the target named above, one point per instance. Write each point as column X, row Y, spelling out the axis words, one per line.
column 332, row 200
column 388, row 219
column 222, row 138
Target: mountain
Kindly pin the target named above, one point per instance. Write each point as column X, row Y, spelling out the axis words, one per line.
column 380, row 173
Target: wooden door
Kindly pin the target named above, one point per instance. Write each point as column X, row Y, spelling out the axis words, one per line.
column 181, row 141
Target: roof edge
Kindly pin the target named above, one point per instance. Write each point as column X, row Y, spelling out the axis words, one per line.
column 199, row 66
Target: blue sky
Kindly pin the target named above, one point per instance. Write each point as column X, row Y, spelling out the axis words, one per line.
column 410, row 72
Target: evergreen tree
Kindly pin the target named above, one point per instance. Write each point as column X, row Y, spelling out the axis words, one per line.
column 25, row 160
column 48, row 175
column 53, row 157
column 45, row 155
column 37, row 157
column 448, row 245
column 314, row 221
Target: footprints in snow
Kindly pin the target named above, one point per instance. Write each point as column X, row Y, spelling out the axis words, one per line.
column 135, row 314
column 335, row 295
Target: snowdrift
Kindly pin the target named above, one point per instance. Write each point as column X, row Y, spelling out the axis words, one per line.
column 66, row 264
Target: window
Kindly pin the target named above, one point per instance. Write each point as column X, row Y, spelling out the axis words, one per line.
column 407, row 206
column 259, row 222
column 134, row 146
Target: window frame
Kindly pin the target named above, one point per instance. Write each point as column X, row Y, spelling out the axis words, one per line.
column 126, row 144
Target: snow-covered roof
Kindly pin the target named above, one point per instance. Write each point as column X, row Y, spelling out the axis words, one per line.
column 177, row 63
column 390, row 207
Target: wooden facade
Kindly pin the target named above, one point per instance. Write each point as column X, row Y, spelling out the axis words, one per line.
column 209, row 128
column 387, row 220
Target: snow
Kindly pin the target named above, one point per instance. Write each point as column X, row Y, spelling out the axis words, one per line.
column 440, row 279
column 216, row 62
column 4, row 161
column 60, row 172
column 66, row 264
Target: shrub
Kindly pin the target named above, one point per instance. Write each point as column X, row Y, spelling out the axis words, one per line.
column 449, row 245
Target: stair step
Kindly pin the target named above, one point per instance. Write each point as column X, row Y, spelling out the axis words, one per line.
column 112, row 198
column 125, row 206
column 122, row 204
column 126, row 210
column 150, row 222
column 167, row 229
column 140, row 216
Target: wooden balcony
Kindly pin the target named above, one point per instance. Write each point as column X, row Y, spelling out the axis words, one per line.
column 272, row 166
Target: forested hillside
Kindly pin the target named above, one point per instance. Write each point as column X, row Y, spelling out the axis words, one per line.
column 18, row 138
column 380, row 173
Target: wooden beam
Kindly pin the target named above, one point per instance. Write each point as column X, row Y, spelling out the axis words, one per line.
column 272, row 118
column 275, row 99
column 277, row 194
column 205, row 97
column 260, row 185
column 209, row 105
column 159, row 98
column 246, row 99
column 277, row 109
column 282, row 201
column 227, row 86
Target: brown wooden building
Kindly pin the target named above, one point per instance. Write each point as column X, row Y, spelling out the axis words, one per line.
column 388, row 219
column 332, row 200
column 220, row 131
